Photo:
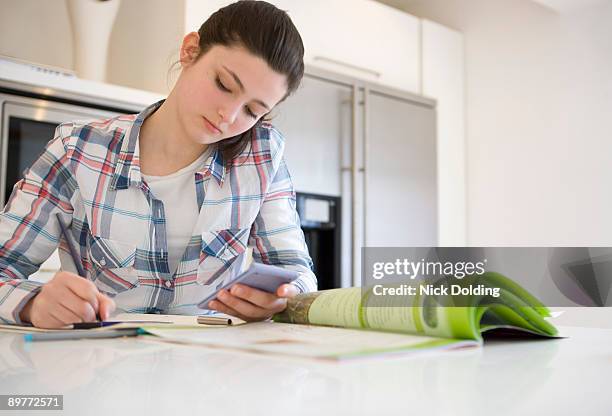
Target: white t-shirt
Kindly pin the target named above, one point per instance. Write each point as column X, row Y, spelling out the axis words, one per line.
column 178, row 193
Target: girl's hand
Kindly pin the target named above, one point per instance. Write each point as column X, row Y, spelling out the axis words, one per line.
column 251, row 304
column 66, row 299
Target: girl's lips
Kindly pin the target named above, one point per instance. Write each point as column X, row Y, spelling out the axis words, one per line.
column 211, row 127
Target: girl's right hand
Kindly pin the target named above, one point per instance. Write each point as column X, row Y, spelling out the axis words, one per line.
column 67, row 299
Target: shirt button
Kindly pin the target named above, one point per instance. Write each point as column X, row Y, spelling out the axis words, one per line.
column 103, row 262
column 168, row 283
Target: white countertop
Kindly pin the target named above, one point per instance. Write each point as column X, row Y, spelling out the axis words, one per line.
column 139, row 375
column 48, row 82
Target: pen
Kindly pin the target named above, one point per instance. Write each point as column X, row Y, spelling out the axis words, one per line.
column 71, row 248
column 62, row 335
column 91, row 325
column 100, row 324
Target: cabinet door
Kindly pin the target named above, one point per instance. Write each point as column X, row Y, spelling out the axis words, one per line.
column 400, row 173
column 197, row 11
column 359, row 38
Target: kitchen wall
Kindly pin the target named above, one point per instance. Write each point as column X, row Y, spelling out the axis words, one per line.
column 144, row 43
column 538, row 104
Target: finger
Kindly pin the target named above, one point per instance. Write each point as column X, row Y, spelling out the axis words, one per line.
column 49, row 322
column 107, row 306
column 64, row 315
column 241, row 306
column 83, row 288
column 257, row 297
column 220, row 307
column 78, row 306
column 287, row 290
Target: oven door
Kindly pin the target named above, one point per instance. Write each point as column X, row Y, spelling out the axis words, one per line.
column 28, row 124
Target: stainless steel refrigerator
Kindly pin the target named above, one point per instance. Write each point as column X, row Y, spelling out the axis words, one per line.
column 375, row 148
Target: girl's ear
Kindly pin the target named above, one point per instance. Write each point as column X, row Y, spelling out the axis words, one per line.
column 189, row 49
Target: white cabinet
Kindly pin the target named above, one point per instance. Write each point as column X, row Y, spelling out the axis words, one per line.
column 359, row 38
column 443, row 79
column 198, row 11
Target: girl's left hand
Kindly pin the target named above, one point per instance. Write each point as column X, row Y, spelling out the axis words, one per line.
column 252, row 304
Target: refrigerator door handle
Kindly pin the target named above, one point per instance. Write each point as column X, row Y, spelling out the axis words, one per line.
column 354, row 171
column 366, row 134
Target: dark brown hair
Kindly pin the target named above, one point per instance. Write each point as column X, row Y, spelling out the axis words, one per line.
column 266, row 32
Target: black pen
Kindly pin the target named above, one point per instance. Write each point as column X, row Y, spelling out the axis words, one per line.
column 72, row 249
column 92, row 325
column 101, row 324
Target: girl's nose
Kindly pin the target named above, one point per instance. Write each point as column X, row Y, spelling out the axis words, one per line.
column 228, row 114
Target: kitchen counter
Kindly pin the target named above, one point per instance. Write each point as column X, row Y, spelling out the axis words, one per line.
column 145, row 376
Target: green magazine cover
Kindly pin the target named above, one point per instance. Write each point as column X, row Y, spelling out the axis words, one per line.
column 445, row 316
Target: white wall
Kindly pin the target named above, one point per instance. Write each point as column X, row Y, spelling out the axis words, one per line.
column 144, row 42
column 443, row 78
column 539, row 124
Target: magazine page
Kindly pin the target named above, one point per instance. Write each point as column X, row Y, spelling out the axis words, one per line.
column 308, row 340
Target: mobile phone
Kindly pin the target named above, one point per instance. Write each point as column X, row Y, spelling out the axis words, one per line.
column 264, row 277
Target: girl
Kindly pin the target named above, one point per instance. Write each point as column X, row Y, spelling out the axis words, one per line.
column 162, row 201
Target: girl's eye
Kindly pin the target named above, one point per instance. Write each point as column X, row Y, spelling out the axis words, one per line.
column 221, row 86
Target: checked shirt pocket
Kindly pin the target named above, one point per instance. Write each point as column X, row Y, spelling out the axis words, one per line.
column 219, row 249
column 112, row 263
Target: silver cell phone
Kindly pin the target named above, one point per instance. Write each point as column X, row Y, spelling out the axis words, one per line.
column 260, row 276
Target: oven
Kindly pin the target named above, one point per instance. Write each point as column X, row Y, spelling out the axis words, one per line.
column 27, row 124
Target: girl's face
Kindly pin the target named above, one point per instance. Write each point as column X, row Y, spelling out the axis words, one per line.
column 225, row 92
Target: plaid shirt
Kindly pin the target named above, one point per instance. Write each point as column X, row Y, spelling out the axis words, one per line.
column 90, row 174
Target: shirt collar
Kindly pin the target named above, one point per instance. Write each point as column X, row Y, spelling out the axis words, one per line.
column 215, row 166
column 127, row 168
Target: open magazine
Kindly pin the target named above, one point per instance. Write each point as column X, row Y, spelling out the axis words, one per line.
column 334, row 322
column 439, row 316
